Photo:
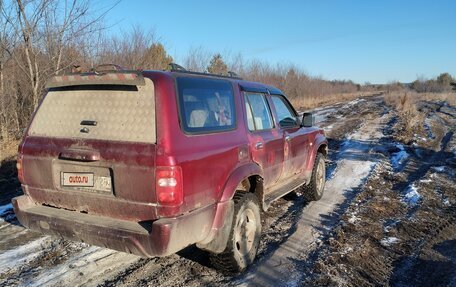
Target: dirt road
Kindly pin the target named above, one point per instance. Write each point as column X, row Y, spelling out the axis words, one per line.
column 388, row 214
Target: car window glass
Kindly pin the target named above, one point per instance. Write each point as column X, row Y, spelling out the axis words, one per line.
column 258, row 113
column 207, row 105
column 285, row 115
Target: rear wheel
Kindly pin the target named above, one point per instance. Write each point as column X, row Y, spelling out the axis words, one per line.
column 314, row 190
column 244, row 236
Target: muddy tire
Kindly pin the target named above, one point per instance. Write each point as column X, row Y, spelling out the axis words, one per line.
column 244, row 236
column 314, row 190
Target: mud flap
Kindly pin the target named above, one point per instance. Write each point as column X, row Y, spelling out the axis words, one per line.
column 217, row 240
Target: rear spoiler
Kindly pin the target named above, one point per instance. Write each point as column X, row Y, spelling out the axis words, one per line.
column 129, row 78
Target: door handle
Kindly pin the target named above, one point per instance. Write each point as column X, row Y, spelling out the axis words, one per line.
column 259, row 145
column 287, row 138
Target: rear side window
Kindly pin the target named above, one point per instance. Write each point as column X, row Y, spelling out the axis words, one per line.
column 206, row 105
column 258, row 114
column 102, row 112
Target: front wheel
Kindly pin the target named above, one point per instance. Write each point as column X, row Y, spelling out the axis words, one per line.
column 244, row 236
column 314, row 190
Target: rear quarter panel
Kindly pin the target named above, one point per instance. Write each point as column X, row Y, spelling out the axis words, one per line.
column 207, row 160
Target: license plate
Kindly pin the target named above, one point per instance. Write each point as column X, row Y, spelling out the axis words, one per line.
column 77, row 179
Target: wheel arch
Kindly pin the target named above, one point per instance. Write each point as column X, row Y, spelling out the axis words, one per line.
column 243, row 178
column 320, row 144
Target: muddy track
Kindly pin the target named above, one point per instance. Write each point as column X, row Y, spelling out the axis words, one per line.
column 400, row 228
column 296, row 235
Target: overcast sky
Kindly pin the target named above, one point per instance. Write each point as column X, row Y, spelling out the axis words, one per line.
column 375, row 41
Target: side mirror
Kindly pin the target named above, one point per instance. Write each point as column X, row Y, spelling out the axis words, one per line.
column 307, row 120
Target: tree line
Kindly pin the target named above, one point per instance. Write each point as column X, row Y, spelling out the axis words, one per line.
column 443, row 83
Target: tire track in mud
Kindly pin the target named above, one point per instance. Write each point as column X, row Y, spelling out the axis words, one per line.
column 355, row 160
column 61, row 262
column 400, row 229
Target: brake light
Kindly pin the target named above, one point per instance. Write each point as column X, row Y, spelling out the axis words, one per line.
column 169, row 188
column 20, row 170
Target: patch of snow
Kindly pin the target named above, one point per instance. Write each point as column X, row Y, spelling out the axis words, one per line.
column 330, row 127
column 346, row 250
column 412, row 196
column 87, row 267
column 439, row 168
column 390, row 225
column 352, row 103
column 10, row 233
column 397, row 159
column 350, row 174
column 353, row 218
column 446, row 202
column 321, row 115
column 5, row 208
column 427, row 127
column 388, row 241
column 426, row 180
column 22, row 254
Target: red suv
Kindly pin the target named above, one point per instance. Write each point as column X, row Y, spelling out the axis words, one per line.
column 151, row 162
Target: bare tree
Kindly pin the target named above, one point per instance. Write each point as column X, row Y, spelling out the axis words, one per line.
column 68, row 26
column 39, row 38
column 43, row 32
column 197, row 59
column 130, row 49
column 8, row 114
column 236, row 63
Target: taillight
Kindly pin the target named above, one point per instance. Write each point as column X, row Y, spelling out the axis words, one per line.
column 168, row 188
column 20, row 169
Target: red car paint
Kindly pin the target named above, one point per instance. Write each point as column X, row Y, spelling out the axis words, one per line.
column 207, row 169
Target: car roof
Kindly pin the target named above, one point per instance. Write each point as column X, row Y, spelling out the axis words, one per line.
column 248, row 86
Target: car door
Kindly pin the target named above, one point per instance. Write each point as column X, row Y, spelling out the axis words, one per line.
column 266, row 143
column 295, row 139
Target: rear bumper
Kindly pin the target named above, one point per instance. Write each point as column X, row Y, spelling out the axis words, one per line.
column 149, row 239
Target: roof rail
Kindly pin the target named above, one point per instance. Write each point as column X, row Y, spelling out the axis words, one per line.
column 173, row 67
column 103, row 68
column 108, row 77
column 233, row 74
column 178, row 68
column 100, row 69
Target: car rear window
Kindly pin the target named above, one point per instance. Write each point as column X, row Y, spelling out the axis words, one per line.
column 206, row 105
column 102, row 112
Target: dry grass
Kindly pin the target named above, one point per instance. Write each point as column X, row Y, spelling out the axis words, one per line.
column 402, row 100
column 405, row 104
column 9, row 149
column 311, row 102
